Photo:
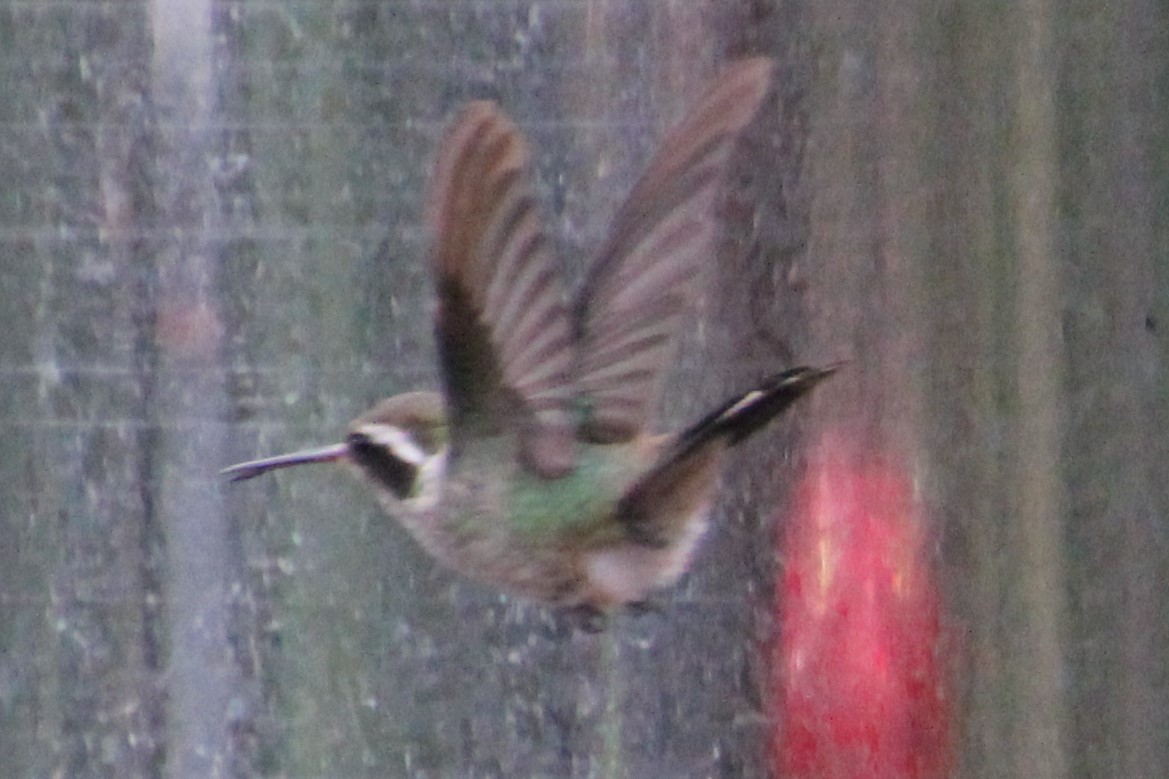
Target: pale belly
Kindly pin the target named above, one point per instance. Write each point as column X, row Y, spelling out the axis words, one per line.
column 629, row 572
column 565, row 557
column 604, row 577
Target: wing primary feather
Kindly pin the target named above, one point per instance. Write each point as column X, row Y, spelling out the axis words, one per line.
column 631, row 305
column 502, row 322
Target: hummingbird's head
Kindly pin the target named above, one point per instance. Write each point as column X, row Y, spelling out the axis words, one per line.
column 401, row 445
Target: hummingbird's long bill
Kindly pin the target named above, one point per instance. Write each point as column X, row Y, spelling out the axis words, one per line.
column 253, row 468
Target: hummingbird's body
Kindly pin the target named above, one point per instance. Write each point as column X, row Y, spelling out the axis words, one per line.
column 559, row 540
column 500, row 524
column 533, row 470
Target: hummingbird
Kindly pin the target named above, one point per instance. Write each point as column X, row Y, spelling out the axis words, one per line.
column 534, row 470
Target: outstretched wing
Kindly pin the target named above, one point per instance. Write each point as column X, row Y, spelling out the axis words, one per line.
column 502, row 323
column 631, row 305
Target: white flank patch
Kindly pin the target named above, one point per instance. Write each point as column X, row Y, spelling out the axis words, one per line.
column 630, row 572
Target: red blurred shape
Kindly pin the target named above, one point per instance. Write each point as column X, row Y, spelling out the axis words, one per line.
column 858, row 678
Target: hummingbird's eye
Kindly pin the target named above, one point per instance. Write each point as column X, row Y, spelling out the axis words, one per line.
column 382, row 464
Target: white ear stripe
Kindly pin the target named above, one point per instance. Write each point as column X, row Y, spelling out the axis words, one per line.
column 397, row 440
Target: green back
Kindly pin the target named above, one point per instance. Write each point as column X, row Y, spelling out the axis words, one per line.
column 580, row 503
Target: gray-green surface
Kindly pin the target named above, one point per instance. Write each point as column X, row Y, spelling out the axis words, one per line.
column 211, row 249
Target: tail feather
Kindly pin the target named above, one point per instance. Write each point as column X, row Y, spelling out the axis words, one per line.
column 741, row 416
column 657, row 509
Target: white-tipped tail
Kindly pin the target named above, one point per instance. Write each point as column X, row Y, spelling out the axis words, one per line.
column 253, row 468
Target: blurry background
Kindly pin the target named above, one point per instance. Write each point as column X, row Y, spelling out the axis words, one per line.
column 952, row 560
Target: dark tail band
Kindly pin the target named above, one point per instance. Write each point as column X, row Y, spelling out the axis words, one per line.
column 743, row 415
column 731, row 423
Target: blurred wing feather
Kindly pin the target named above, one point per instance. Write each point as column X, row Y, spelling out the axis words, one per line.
column 634, row 299
column 502, row 325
